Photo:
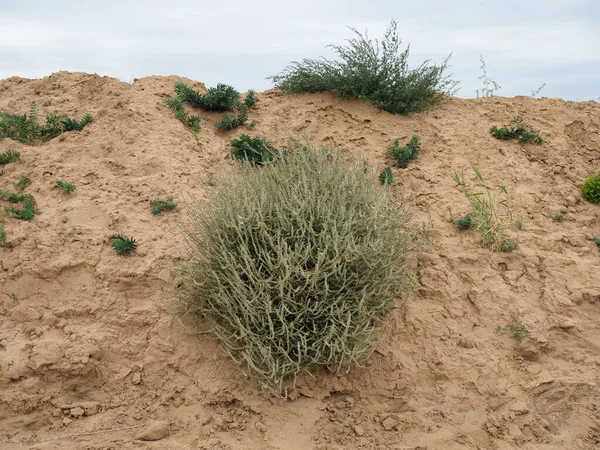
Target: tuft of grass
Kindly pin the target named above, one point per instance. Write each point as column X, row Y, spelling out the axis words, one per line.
column 250, row 99
column 255, row 150
column 159, row 205
column 27, row 130
column 8, row 157
column 590, row 189
column 67, row 188
column 403, row 155
column 560, row 217
column 518, row 224
column 464, row 223
column 27, row 212
column 515, row 327
column 518, row 131
column 2, row 236
column 374, row 71
column 491, row 210
column 122, row 245
column 296, row 266
column 386, row 177
column 229, row 122
column 22, row 183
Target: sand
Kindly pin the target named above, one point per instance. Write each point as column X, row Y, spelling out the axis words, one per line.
column 92, row 351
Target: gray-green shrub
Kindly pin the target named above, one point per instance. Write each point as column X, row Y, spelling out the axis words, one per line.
column 295, row 265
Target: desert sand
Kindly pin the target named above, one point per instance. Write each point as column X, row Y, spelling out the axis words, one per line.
column 93, row 351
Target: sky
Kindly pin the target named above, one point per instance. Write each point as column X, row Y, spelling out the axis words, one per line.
column 524, row 43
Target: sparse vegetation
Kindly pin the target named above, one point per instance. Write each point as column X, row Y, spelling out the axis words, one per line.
column 515, row 327
column 122, row 245
column 464, row 223
column 229, row 122
column 8, row 157
column 28, row 210
column 374, row 71
column 518, row 130
column 518, row 224
column 386, row 177
column 403, row 155
column 67, row 188
column 590, row 189
column 159, row 205
column 2, row 236
column 189, row 120
column 27, row 130
column 250, row 99
column 560, row 217
column 296, row 265
column 254, row 150
column 597, row 241
column 491, row 211
column 22, row 183
column 490, row 87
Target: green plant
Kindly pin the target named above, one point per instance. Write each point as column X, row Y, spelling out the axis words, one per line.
column 489, row 86
column 221, row 98
column 255, row 150
column 27, row 130
column 27, row 212
column 67, row 188
column 518, row 224
column 386, row 177
column 402, row 155
column 2, row 236
column 22, row 183
column 597, row 241
column 8, row 157
column 228, row 122
column 295, row 266
column 122, row 245
column 516, row 327
column 250, row 99
column 590, row 189
column 518, row 130
column 464, row 223
column 159, row 205
column 375, row 71
column 560, row 217
column 189, row 120
column 188, row 95
column 491, row 210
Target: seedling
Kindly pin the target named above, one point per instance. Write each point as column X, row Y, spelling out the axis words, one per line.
column 386, row 177
column 8, row 157
column 27, row 213
column 560, row 217
column 2, row 236
column 464, row 223
column 22, row 183
column 67, row 188
column 518, row 224
column 402, row 155
column 518, row 130
column 159, row 205
column 516, row 327
column 122, row 245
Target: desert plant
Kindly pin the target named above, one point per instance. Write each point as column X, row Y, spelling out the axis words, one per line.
column 518, row 130
column 22, row 183
column 374, row 71
column 402, row 155
column 159, row 205
column 464, row 223
column 229, row 122
column 67, row 188
column 27, row 212
column 536, row 92
column 8, row 157
column 489, row 86
column 516, row 327
column 122, row 245
column 188, row 95
column 518, row 224
column 560, row 217
column 189, row 120
column 491, row 211
column 220, row 98
column 296, row 265
column 590, row 189
column 386, row 177
column 254, row 150
column 597, row 241
column 2, row 236
column 250, row 99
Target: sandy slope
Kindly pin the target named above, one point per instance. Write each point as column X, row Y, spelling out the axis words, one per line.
column 89, row 328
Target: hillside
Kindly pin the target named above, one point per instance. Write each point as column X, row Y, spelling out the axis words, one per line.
column 91, row 341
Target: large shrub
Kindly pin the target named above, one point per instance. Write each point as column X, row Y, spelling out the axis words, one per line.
column 374, row 71
column 294, row 265
column 590, row 190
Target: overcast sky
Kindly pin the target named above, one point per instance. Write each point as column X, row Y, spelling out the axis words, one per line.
column 525, row 43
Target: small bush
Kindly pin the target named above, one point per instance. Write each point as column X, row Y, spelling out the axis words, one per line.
column 23, row 182
column 229, row 122
column 295, row 266
column 590, row 189
column 191, row 121
column 254, row 150
column 597, row 241
column 250, row 99
column 375, row 71
column 27, row 212
column 2, row 236
column 159, row 205
column 516, row 327
column 67, row 188
column 221, row 98
column 464, row 223
column 491, row 211
column 402, row 155
column 386, row 177
column 8, row 157
column 188, row 95
column 518, row 130
column 122, row 245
